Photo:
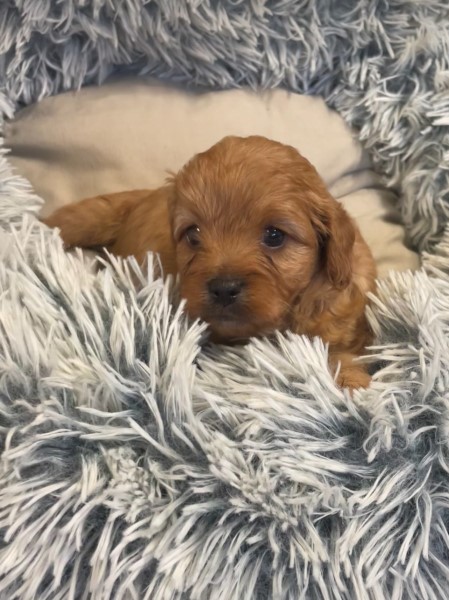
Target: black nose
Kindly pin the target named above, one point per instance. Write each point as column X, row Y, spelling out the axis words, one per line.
column 224, row 291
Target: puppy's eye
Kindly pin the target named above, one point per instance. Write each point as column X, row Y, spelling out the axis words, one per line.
column 273, row 237
column 192, row 236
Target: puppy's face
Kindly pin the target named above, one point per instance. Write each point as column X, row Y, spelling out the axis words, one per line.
column 249, row 219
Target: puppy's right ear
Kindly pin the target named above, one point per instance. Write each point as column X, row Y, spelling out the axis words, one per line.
column 179, row 219
column 170, row 189
column 171, row 178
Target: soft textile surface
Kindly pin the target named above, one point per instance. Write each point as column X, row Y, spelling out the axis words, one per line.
column 135, row 464
column 127, row 134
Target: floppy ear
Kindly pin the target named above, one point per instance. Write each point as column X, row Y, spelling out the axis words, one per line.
column 337, row 233
column 179, row 217
column 339, row 247
column 170, row 191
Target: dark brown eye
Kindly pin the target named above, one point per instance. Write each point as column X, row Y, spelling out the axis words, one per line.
column 273, row 237
column 192, row 236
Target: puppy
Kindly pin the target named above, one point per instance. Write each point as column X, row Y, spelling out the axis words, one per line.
column 257, row 240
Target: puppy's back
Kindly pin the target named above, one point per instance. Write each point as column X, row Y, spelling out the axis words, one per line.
column 147, row 228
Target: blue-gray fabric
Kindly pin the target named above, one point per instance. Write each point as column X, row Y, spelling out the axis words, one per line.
column 135, row 462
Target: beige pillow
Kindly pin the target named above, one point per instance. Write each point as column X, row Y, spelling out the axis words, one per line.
column 129, row 132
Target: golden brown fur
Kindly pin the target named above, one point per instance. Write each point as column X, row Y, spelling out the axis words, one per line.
column 211, row 224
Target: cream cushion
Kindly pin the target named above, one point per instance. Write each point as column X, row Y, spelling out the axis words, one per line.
column 129, row 132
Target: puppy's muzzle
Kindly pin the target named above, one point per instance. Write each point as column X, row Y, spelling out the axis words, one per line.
column 225, row 291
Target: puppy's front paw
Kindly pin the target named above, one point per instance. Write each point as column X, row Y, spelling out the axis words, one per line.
column 350, row 374
column 353, row 377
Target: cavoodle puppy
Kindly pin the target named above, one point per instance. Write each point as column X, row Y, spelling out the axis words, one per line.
column 257, row 240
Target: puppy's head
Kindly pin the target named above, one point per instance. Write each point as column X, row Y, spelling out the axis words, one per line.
column 253, row 225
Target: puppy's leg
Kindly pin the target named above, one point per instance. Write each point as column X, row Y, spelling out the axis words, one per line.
column 94, row 222
column 351, row 375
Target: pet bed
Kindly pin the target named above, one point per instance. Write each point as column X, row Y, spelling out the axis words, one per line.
column 137, row 463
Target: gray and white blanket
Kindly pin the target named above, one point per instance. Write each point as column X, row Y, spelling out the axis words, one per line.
column 136, row 463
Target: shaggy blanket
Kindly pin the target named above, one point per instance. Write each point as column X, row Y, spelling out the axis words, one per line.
column 137, row 462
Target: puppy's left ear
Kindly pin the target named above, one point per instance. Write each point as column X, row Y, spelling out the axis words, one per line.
column 339, row 249
column 337, row 233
